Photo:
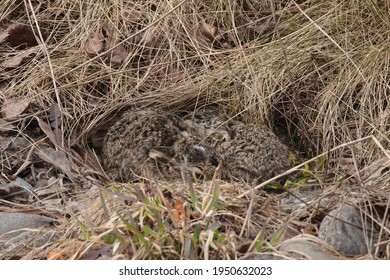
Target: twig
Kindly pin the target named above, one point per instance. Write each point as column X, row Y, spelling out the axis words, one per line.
column 46, row 52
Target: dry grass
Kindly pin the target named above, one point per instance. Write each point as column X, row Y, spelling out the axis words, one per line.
column 317, row 71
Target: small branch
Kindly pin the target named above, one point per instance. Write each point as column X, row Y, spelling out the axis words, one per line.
column 46, row 52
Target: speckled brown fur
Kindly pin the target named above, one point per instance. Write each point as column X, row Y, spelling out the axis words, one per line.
column 150, row 143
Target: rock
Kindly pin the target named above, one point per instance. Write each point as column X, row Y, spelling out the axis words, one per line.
column 307, row 247
column 300, row 199
column 21, row 233
column 27, row 244
column 12, row 224
column 265, row 257
column 345, row 233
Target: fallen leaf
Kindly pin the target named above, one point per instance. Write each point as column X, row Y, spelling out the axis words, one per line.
column 178, row 212
column 209, row 35
column 119, row 54
column 18, row 59
column 209, row 31
column 46, row 128
column 55, row 117
column 6, row 126
column 94, row 44
column 93, row 254
column 378, row 168
column 104, row 40
column 3, row 36
column 58, row 159
column 13, row 108
column 23, row 36
column 16, row 187
column 13, row 143
column 133, row 16
column 56, row 254
column 375, row 170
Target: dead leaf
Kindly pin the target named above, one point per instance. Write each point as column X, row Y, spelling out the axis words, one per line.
column 378, row 168
column 375, row 170
column 133, row 16
column 119, row 54
column 94, row 254
column 3, row 36
column 104, row 40
column 178, row 212
column 209, row 35
column 94, row 44
column 56, row 254
column 13, row 108
column 19, row 59
column 46, row 128
column 209, row 31
column 55, row 117
column 6, row 126
column 58, row 159
column 13, row 143
column 16, row 187
column 23, row 36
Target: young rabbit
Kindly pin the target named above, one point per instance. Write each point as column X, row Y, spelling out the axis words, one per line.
column 248, row 152
column 151, row 143
column 253, row 155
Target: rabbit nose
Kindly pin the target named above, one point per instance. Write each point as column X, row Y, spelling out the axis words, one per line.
column 201, row 151
column 196, row 155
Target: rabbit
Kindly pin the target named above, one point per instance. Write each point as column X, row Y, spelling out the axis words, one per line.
column 153, row 144
column 254, row 154
column 211, row 126
column 248, row 152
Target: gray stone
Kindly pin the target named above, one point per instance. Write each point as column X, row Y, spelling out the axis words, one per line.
column 307, row 247
column 264, row 257
column 21, row 233
column 12, row 224
column 28, row 244
column 300, row 199
column 343, row 229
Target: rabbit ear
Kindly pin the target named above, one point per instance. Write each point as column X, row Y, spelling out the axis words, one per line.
column 156, row 154
column 185, row 134
column 188, row 124
column 222, row 134
column 189, row 128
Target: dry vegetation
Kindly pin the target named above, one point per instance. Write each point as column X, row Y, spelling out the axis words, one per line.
column 316, row 71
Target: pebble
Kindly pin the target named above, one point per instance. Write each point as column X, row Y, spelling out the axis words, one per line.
column 341, row 233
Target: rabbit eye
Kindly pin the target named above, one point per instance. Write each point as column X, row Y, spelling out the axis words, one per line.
column 200, row 149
